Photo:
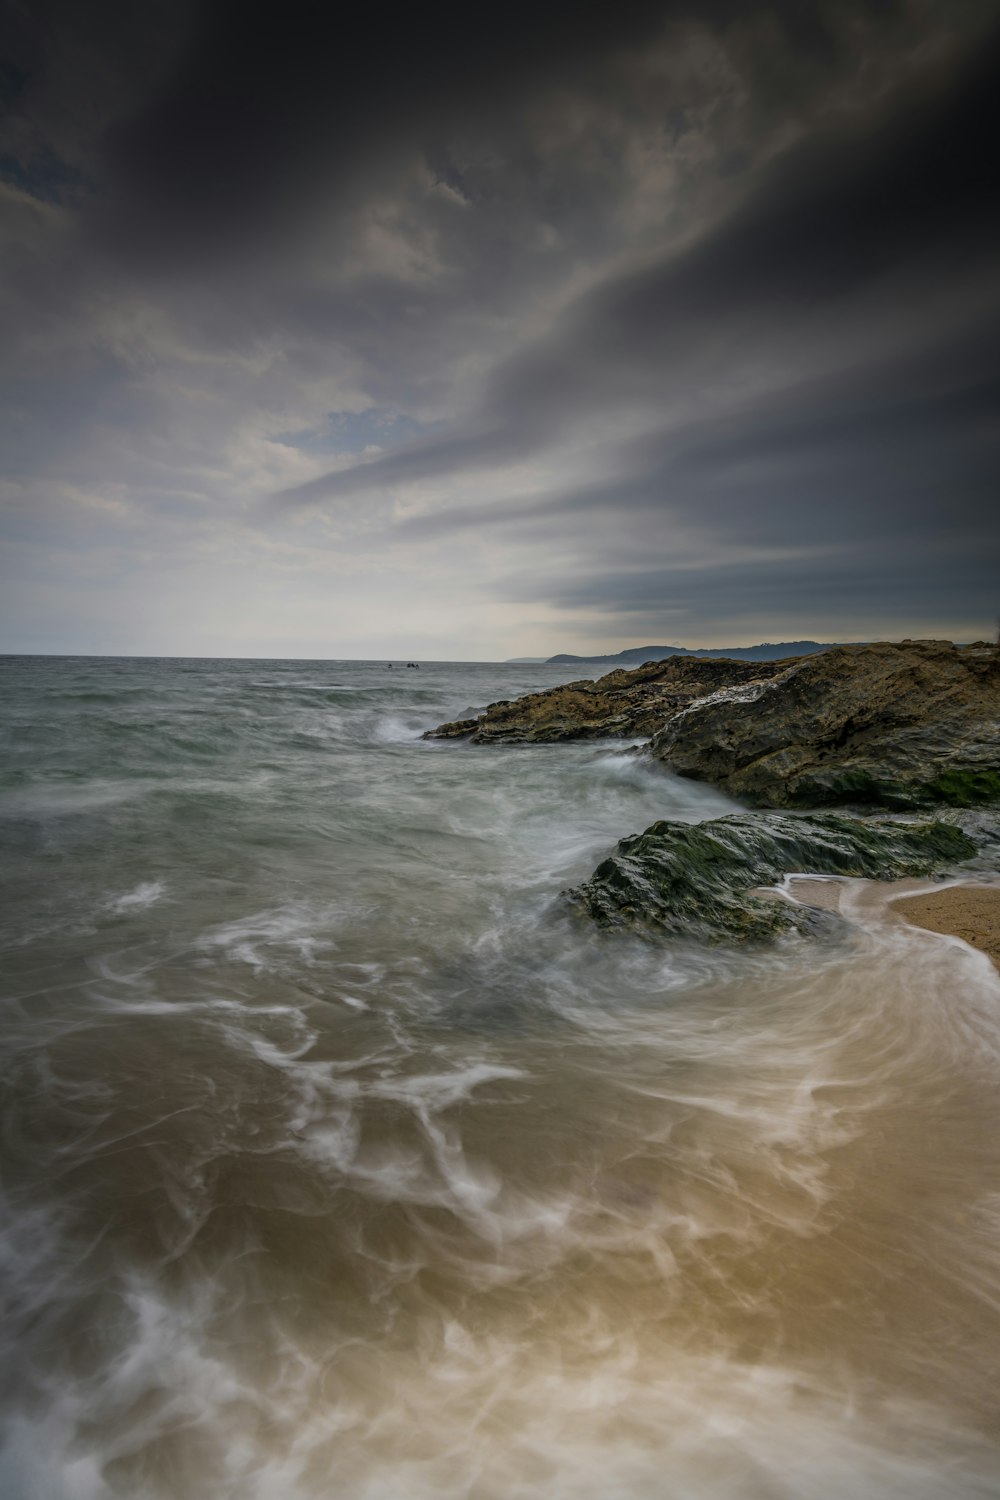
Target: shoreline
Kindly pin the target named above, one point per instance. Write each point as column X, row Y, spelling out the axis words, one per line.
column 969, row 912
column 962, row 908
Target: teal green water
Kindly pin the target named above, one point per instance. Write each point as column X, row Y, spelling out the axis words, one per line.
column 339, row 1163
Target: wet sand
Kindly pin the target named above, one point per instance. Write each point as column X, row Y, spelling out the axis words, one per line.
column 965, row 911
column 970, row 912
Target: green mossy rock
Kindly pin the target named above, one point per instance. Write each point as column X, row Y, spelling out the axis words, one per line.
column 695, row 880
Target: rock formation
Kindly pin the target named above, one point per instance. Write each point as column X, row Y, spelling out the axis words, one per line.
column 905, row 725
column 695, row 881
column 621, row 704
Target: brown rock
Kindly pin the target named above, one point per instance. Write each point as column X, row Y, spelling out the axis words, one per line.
column 904, row 724
column 622, row 704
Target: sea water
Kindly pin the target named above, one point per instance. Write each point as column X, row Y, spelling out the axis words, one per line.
column 341, row 1163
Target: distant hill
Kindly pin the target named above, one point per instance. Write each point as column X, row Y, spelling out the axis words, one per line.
column 635, row 655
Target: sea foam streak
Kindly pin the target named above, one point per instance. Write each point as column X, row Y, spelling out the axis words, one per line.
column 138, row 899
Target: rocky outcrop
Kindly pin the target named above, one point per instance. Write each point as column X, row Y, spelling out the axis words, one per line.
column 695, row 881
column 904, row 725
column 621, row 704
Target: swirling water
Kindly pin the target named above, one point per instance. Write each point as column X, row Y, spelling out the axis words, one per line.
column 339, row 1163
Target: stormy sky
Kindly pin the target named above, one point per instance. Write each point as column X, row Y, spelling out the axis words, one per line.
column 480, row 331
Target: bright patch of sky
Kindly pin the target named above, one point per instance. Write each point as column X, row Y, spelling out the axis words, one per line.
column 357, row 432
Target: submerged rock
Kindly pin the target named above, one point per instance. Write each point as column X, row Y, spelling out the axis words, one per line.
column 905, row 725
column 621, row 704
column 696, row 880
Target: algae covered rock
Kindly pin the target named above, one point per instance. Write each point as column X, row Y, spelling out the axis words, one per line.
column 906, row 725
column 694, row 880
column 622, row 704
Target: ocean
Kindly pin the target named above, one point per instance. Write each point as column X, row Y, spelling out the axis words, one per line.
column 341, row 1163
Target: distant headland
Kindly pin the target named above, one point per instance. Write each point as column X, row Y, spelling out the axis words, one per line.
column 767, row 651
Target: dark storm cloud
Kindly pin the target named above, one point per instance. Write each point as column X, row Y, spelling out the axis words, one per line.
column 833, row 219
column 266, row 111
column 265, row 107
column 872, row 489
column 872, row 449
column 856, row 594
column 865, row 263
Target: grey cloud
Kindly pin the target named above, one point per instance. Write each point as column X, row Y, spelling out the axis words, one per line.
column 833, row 219
column 887, row 476
column 866, row 592
column 262, row 109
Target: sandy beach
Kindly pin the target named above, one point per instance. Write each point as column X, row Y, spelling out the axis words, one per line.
column 966, row 911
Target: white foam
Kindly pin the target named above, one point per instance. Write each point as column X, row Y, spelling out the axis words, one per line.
column 140, row 898
column 482, row 1415
column 393, row 729
column 266, row 939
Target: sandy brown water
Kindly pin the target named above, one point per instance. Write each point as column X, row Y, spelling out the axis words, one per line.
column 337, row 1163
